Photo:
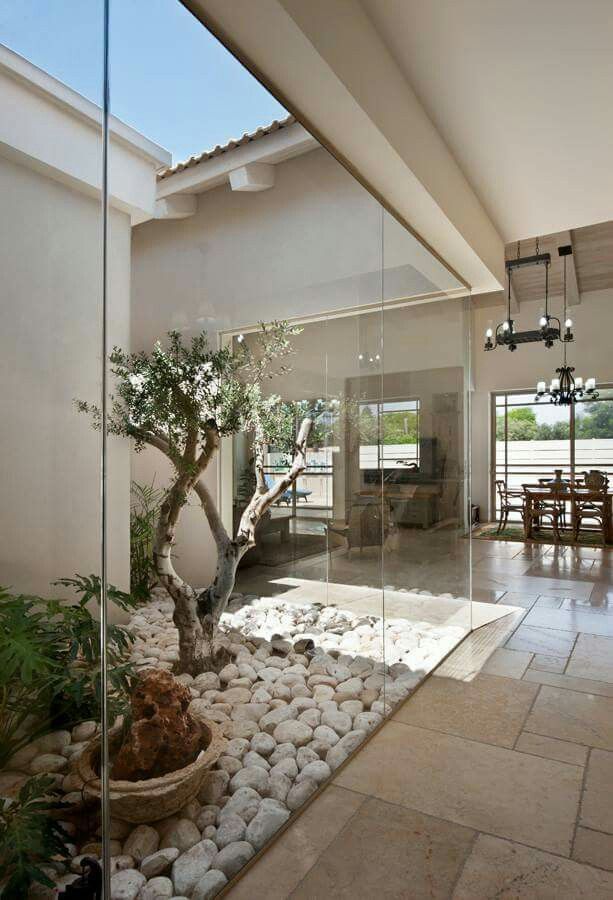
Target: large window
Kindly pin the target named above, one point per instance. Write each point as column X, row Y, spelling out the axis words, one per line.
column 532, row 440
column 389, row 435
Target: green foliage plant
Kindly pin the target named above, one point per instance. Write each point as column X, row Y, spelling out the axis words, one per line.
column 30, row 838
column 50, row 673
column 146, row 501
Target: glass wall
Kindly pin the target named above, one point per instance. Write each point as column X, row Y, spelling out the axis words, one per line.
column 272, row 534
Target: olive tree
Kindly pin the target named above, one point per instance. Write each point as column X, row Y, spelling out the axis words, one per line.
column 182, row 399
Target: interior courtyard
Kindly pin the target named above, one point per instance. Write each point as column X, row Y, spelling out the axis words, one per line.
column 306, row 570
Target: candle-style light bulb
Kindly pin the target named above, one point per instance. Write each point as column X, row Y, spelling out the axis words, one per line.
column 543, row 321
column 489, row 332
column 540, row 387
column 505, row 326
column 579, row 382
column 568, row 323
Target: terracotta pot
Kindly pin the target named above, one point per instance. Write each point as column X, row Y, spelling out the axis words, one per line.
column 153, row 798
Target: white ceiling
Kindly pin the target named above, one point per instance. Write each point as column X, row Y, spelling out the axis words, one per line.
column 522, row 93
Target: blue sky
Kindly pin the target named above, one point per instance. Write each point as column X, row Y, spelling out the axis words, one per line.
column 170, row 78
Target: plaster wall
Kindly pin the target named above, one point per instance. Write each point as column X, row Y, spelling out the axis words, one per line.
column 50, row 342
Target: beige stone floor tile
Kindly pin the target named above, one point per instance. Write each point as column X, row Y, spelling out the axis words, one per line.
column 570, row 620
column 532, row 551
column 492, row 789
column 497, row 565
column 594, row 847
column 502, row 870
column 279, row 871
column 488, row 708
column 501, row 549
column 389, row 852
column 568, row 682
column 572, row 716
column 470, row 656
column 562, row 567
column 559, row 587
column 483, row 595
column 603, row 591
column 597, row 553
column 507, row 663
column 551, row 748
column 597, row 803
column 548, row 663
column 595, row 604
column 515, row 598
column 484, row 613
column 549, row 602
column 549, row 641
column 592, row 657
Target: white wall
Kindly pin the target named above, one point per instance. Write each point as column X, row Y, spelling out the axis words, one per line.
column 59, row 132
column 502, row 370
column 51, row 264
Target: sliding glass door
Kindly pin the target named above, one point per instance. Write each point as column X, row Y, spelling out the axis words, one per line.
column 531, row 440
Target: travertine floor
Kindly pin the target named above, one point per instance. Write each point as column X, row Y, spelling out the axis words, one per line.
column 494, row 780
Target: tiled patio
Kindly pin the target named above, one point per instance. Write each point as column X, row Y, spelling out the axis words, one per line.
column 494, row 780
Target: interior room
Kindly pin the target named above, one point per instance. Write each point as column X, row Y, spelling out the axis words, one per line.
column 307, row 495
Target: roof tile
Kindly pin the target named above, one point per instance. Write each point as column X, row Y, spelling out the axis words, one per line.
column 246, row 138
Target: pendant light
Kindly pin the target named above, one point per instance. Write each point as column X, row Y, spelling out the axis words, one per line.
column 565, row 389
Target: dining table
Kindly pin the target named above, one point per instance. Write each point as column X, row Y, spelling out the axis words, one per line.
column 566, row 494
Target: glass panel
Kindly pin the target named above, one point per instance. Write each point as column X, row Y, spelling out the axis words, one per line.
column 265, row 472
column 423, row 456
column 50, row 486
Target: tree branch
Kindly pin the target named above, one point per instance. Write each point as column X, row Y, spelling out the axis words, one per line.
column 211, row 444
column 218, row 530
column 260, row 477
column 259, row 503
column 155, row 440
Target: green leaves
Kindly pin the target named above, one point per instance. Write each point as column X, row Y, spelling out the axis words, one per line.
column 26, row 644
column 184, row 388
column 30, row 838
column 144, row 511
column 50, row 672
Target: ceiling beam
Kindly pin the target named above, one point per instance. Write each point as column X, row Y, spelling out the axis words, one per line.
column 337, row 76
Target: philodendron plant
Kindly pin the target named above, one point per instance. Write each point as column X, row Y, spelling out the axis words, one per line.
column 50, row 674
column 182, row 399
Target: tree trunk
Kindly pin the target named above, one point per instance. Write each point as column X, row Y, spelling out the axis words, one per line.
column 197, row 614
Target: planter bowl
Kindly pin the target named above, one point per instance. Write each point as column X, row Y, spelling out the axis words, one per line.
column 154, row 798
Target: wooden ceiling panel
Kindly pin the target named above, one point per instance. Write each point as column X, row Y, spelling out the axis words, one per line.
column 593, row 259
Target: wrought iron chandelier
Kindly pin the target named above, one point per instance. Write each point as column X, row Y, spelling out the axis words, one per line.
column 566, row 389
column 549, row 329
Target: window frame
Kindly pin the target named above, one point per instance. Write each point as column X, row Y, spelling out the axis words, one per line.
column 380, row 404
column 494, row 407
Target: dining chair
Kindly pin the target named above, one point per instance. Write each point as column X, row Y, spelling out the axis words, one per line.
column 591, row 504
column 560, row 498
column 536, row 509
column 510, row 500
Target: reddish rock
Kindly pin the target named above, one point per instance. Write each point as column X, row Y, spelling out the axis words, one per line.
column 163, row 736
